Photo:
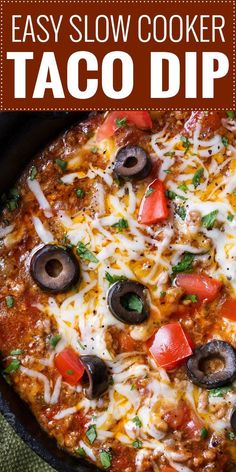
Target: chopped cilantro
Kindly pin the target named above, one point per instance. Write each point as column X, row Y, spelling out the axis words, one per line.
column 112, row 278
column 54, row 340
column 105, row 458
column 121, row 224
column 16, row 352
column 80, row 192
column 91, row 433
column 136, row 420
column 13, row 199
column 185, row 265
column 62, row 164
column 230, row 435
column 111, row 380
column 231, row 114
column 197, row 177
column 185, row 142
column 149, row 192
column 208, row 221
column 193, row 298
column 94, row 149
column 221, row 391
column 80, row 451
column 172, row 195
column 9, row 301
column 12, row 367
column 162, row 294
column 132, row 302
column 225, row 140
column 183, row 187
column 70, row 372
column 169, row 153
column 121, row 122
column 85, row 253
column 181, row 211
column 203, row 433
column 33, row 172
column 230, row 217
column 80, row 344
column 137, row 444
column 133, row 387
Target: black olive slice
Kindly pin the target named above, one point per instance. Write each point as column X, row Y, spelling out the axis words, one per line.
column 212, row 365
column 96, row 376
column 54, row 268
column 127, row 300
column 132, row 162
column 233, row 421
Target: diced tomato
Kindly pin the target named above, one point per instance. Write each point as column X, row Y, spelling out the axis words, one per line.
column 170, row 346
column 69, row 365
column 154, row 204
column 127, row 344
column 210, row 121
column 141, row 119
column 184, row 418
column 228, row 309
column 203, row 286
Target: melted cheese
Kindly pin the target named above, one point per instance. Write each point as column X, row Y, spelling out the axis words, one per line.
column 145, row 254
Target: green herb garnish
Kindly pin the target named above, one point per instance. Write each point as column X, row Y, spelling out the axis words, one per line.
column 132, row 302
column 203, row 433
column 221, row 391
column 12, row 367
column 94, row 150
column 230, row 217
column 62, row 164
column 54, row 340
column 91, row 433
column 208, row 221
column 192, row 298
column 137, row 444
column 80, row 192
column 136, row 420
column 9, row 301
column 80, row 344
column 231, row 114
column 149, row 192
column 230, row 435
column 80, row 451
column 121, row 122
column 105, row 458
column 172, row 195
column 70, row 372
column 185, row 142
column 112, row 278
column 162, row 294
column 13, row 199
column 225, row 140
column 183, row 187
column 170, row 153
column 197, row 177
column 121, row 224
column 16, row 352
column 181, row 211
column 33, row 172
column 185, row 265
column 85, row 253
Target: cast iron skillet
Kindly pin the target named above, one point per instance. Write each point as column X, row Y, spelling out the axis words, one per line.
column 22, row 135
